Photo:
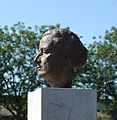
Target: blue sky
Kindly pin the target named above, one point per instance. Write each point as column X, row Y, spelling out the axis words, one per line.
column 87, row 18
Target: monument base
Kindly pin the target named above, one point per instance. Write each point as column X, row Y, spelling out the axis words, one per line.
column 62, row 104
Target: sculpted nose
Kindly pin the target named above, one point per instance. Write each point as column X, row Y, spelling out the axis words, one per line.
column 36, row 59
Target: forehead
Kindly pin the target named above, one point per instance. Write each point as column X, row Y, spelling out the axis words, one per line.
column 46, row 41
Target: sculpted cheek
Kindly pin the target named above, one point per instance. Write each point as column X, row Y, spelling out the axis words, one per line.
column 45, row 57
column 45, row 61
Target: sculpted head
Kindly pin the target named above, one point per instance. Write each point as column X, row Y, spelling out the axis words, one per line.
column 60, row 52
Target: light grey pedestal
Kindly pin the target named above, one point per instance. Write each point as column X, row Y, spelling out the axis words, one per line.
column 62, row 104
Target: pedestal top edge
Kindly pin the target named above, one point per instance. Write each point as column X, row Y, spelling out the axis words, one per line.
column 66, row 89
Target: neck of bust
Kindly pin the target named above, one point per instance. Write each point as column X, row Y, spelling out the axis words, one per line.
column 63, row 79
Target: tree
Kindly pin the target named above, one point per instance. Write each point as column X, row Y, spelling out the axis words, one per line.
column 18, row 75
column 100, row 71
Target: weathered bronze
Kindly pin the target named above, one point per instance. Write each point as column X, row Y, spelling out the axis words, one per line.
column 60, row 52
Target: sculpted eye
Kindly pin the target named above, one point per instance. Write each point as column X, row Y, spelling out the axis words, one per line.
column 45, row 50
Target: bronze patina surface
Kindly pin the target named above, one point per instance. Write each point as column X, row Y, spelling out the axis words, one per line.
column 60, row 52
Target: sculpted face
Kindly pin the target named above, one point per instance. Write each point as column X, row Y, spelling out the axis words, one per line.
column 50, row 57
column 60, row 51
column 44, row 57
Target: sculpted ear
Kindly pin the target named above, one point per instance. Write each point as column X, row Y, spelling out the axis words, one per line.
column 65, row 60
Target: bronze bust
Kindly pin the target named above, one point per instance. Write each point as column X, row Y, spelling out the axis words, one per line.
column 60, row 52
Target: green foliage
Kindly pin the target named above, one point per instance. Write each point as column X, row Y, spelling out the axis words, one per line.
column 101, row 116
column 18, row 45
column 100, row 71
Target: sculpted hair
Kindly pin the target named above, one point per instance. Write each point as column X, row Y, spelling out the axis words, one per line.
column 75, row 53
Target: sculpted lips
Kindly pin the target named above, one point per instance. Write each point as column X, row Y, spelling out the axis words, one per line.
column 39, row 67
column 43, row 68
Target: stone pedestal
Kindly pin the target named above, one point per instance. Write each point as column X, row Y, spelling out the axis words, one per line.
column 62, row 104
